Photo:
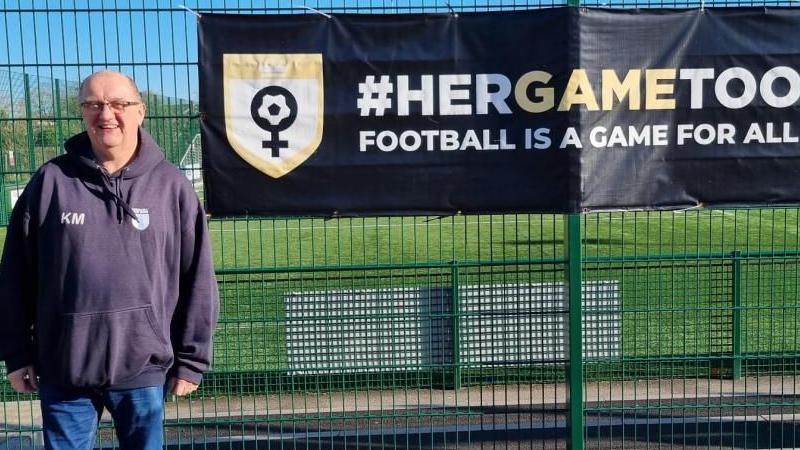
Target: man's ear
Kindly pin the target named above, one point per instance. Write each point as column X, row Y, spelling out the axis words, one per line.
column 142, row 112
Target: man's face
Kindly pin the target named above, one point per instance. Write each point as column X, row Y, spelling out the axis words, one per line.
column 111, row 129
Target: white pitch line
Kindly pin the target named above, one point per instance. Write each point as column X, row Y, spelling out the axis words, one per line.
column 429, row 224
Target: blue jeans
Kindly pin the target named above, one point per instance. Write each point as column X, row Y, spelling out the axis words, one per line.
column 70, row 416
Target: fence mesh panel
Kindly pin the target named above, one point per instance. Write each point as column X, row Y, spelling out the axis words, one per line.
column 428, row 332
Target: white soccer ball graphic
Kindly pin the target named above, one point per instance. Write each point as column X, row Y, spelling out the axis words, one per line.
column 274, row 109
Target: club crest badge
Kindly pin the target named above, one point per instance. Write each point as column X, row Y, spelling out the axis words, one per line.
column 142, row 220
column 273, row 108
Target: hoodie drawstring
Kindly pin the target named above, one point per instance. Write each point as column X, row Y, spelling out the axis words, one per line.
column 122, row 206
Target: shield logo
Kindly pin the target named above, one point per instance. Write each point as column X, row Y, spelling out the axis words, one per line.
column 142, row 220
column 273, row 108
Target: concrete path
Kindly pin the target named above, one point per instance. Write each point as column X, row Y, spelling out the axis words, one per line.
column 23, row 415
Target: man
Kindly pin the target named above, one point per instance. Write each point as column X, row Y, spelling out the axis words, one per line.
column 107, row 282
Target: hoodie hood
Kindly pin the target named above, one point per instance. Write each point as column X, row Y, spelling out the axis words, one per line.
column 148, row 154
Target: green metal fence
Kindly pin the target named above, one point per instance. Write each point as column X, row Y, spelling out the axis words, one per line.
column 655, row 329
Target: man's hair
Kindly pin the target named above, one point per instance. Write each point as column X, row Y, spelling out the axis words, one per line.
column 130, row 81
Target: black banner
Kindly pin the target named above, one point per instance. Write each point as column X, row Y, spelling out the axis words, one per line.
column 554, row 110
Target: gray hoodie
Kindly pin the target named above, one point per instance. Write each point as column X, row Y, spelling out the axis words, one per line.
column 107, row 281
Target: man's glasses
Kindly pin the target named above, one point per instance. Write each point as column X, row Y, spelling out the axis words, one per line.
column 116, row 106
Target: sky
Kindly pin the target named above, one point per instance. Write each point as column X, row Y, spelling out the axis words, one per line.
column 155, row 41
column 152, row 41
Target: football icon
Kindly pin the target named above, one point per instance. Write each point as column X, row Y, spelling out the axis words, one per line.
column 274, row 109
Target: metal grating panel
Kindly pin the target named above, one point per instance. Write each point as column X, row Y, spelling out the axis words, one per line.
column 364, row 330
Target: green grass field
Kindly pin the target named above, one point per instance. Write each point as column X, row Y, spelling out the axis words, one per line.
column 675, row 271
column 409, row 240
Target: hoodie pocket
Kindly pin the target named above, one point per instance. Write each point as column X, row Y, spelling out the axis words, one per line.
column 108, row 348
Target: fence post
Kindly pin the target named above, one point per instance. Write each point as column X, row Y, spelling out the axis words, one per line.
column 5, row 196
column 58, row 119
column 572, row 247
column 456, row 325
column 29, row 124
column 737, row 315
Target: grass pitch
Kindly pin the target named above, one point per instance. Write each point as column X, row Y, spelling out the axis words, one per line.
column 675, row 269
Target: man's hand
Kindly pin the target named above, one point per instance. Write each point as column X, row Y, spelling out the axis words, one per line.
column 181, row 387
column 24, row 380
